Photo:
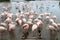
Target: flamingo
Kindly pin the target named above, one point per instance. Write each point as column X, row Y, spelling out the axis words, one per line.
column 3, row 24
column 3, row 16
column 30, row 21
column 12, row 26
column 34, row 27
column 31, row 16
column 32, row 12
column 35, row 20
column 18, row 21
column 50, row 27
column 24, row 20
column 9, row 15
column 39, row 23
column 51, row 21
column 47, row 14
column 47, row 18
column 54, row 24
column 4, row 13
column 58, row 24
column 25, row 26
column 41, row 15
column 54, row 18
column 8, row 20
column 2, row 28
column 27, row 13
column 22, row 14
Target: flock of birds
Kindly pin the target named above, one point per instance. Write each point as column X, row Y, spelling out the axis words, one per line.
column 30, row 19
column 26, row 19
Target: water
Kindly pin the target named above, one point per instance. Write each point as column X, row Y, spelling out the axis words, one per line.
column 53, row 7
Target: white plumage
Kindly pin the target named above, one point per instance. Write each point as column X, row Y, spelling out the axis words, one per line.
column 47, row 14
column 58, row 24
column 2, row 28
column 39, row 23
column 20, row 22
column 24, row 20
column 12, row 26
column 50, row 27
column 8, row 20
column 34, row 27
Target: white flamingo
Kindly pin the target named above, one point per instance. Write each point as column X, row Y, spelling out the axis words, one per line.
column 34, row 27
column 47, row 14
column 12, row 26
column 50, row 27
column 8, row 20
